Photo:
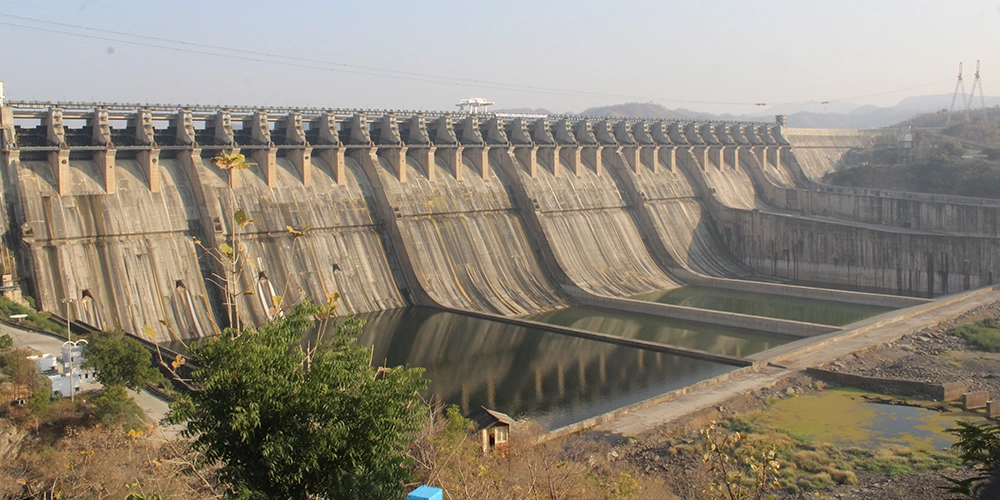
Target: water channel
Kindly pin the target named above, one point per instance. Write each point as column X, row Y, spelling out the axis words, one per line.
column 558, row 379
column 701, row 336
column 762, row 304
column 554, row 378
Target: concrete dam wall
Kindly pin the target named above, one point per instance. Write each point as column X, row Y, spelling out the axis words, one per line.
column 117, row 212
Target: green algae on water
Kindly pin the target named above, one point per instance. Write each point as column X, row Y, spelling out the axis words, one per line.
column 845, row 418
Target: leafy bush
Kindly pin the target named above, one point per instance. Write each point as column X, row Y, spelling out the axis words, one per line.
column 115, row 408
column 286, row 422
column 41, row 395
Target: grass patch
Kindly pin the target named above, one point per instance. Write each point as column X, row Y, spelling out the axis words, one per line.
column 983, row 335
column 35, row 319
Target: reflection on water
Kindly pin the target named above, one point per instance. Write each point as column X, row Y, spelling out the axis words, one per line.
column 760, row 304
column 554, row 378
column 702, row 336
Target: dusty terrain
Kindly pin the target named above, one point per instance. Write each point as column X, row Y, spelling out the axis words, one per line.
column 930, row 354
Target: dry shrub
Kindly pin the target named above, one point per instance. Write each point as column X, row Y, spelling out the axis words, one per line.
column 449, row 457
column 103, row 463
column 841, row 476
column 811, row 461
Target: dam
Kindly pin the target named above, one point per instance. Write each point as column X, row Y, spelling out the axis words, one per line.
column 115, row 213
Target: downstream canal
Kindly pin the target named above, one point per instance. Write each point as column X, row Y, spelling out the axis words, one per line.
column 701, row 336
column 556, row 379
column 761, row 304
column 559, row 379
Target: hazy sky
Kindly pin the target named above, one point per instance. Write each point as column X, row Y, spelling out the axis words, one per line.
column 561, row 55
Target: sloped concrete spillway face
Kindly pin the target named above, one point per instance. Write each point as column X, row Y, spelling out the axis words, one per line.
column 467, row 245
column 592, row 235
column 680, row 220
column 339, row 250
column 556, row 379
column 132, row 250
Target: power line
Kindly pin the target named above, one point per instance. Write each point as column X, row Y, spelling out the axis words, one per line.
column 263, row 57
column 339, row 67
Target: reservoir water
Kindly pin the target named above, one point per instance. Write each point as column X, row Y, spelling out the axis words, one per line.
column 760, row 304
column 701, row 336
column 556, row 379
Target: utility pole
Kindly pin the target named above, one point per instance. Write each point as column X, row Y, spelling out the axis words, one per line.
column 71, row 344
column 978, row 82
column 959, row 83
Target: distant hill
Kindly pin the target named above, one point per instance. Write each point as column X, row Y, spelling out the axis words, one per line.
column 526, row 111
column 876, row 117
column 939, row 118
column 826, row 114
column 634, row 110
column 861, row 118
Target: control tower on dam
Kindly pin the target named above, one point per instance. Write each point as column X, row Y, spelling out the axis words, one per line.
column 118, row 213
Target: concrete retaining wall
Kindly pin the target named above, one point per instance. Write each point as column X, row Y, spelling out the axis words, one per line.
column 891, row 386
column 779, row 326
column 874, row 257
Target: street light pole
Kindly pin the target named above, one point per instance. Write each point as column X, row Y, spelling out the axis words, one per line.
column 69, row 340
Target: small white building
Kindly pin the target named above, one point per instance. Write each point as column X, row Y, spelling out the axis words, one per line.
column 61, row 384
column 45, row 362
column 59, row 368
column 72, row 352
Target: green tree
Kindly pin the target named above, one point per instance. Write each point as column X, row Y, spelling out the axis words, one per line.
column 6, row 343
column 41, row 395
column 15, row 363
column 118, row 360
column 287, row 422
column 115, row 408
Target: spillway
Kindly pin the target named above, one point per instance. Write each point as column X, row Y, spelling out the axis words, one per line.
column 340, row 251
column 593, row 237
column 821, row 151
column 110, row 206
column 133, row 254
column 465, row 241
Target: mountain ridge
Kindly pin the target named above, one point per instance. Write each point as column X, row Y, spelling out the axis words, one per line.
column 811, row 114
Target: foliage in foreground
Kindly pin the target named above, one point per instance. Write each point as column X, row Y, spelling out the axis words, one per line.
column 115, row 408
column 979, row 446
column 742, row 470
column 60, row 456
column 287, row 422
column 983, row 335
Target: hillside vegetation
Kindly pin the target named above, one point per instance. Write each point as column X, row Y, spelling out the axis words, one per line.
column 942, row 165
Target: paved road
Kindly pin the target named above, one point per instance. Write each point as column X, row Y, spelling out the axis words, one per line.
column 154, row 407
column 799, row 356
